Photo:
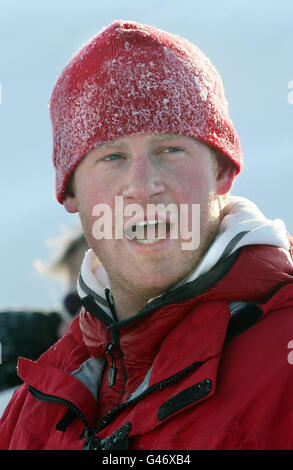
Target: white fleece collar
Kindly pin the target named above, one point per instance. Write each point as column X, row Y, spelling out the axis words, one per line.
column 242, row 216
column 95, row 277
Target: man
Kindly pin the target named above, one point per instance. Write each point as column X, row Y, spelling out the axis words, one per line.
column 175, row 347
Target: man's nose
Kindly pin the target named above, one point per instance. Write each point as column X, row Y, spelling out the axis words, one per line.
column 143, row 181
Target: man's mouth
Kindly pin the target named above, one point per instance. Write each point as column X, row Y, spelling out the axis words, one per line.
column 148, row 231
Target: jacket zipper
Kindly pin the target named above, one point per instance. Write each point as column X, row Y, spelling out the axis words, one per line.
column 91, row 440
column 114, row 343
column 43, row 397
column 113, row 369
column 107, row 418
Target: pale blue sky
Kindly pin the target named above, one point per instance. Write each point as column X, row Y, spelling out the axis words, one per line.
column 251, row 44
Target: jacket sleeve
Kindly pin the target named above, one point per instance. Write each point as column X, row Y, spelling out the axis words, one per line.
column 11, row 434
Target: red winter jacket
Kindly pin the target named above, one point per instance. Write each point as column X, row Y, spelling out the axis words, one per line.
column 185, row 373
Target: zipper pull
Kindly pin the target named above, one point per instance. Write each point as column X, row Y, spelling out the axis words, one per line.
column 113, row 369
column 111, row 303
column 91, row 442
column 112, row 376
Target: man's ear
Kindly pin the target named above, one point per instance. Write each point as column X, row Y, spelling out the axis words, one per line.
column 70, row 204
column 225, row 174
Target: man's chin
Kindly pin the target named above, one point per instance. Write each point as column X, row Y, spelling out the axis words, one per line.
column 154, row 285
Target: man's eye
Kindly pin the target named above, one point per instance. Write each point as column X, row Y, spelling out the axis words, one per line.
column 113, row 156
column 172, row 149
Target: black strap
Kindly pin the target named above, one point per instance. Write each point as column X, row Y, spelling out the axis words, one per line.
column 67, row 419
column 242, row 320
column 94, row 309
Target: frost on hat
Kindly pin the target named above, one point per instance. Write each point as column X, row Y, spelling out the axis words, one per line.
column 135, row 79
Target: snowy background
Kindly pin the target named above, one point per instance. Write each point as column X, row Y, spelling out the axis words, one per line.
column 251, row 44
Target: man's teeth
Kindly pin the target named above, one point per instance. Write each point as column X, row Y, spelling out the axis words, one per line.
column 143, row 223
column 150, row 241
column 148, row 222
column 139, row 231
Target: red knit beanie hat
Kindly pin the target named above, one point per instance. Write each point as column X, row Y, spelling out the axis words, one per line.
column 135, row 79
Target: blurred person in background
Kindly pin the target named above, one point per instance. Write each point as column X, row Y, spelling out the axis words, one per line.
column 30, row 332
column 173, row 348
column 68, row 252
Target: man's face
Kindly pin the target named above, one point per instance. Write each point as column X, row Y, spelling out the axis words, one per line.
column 144, row 170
